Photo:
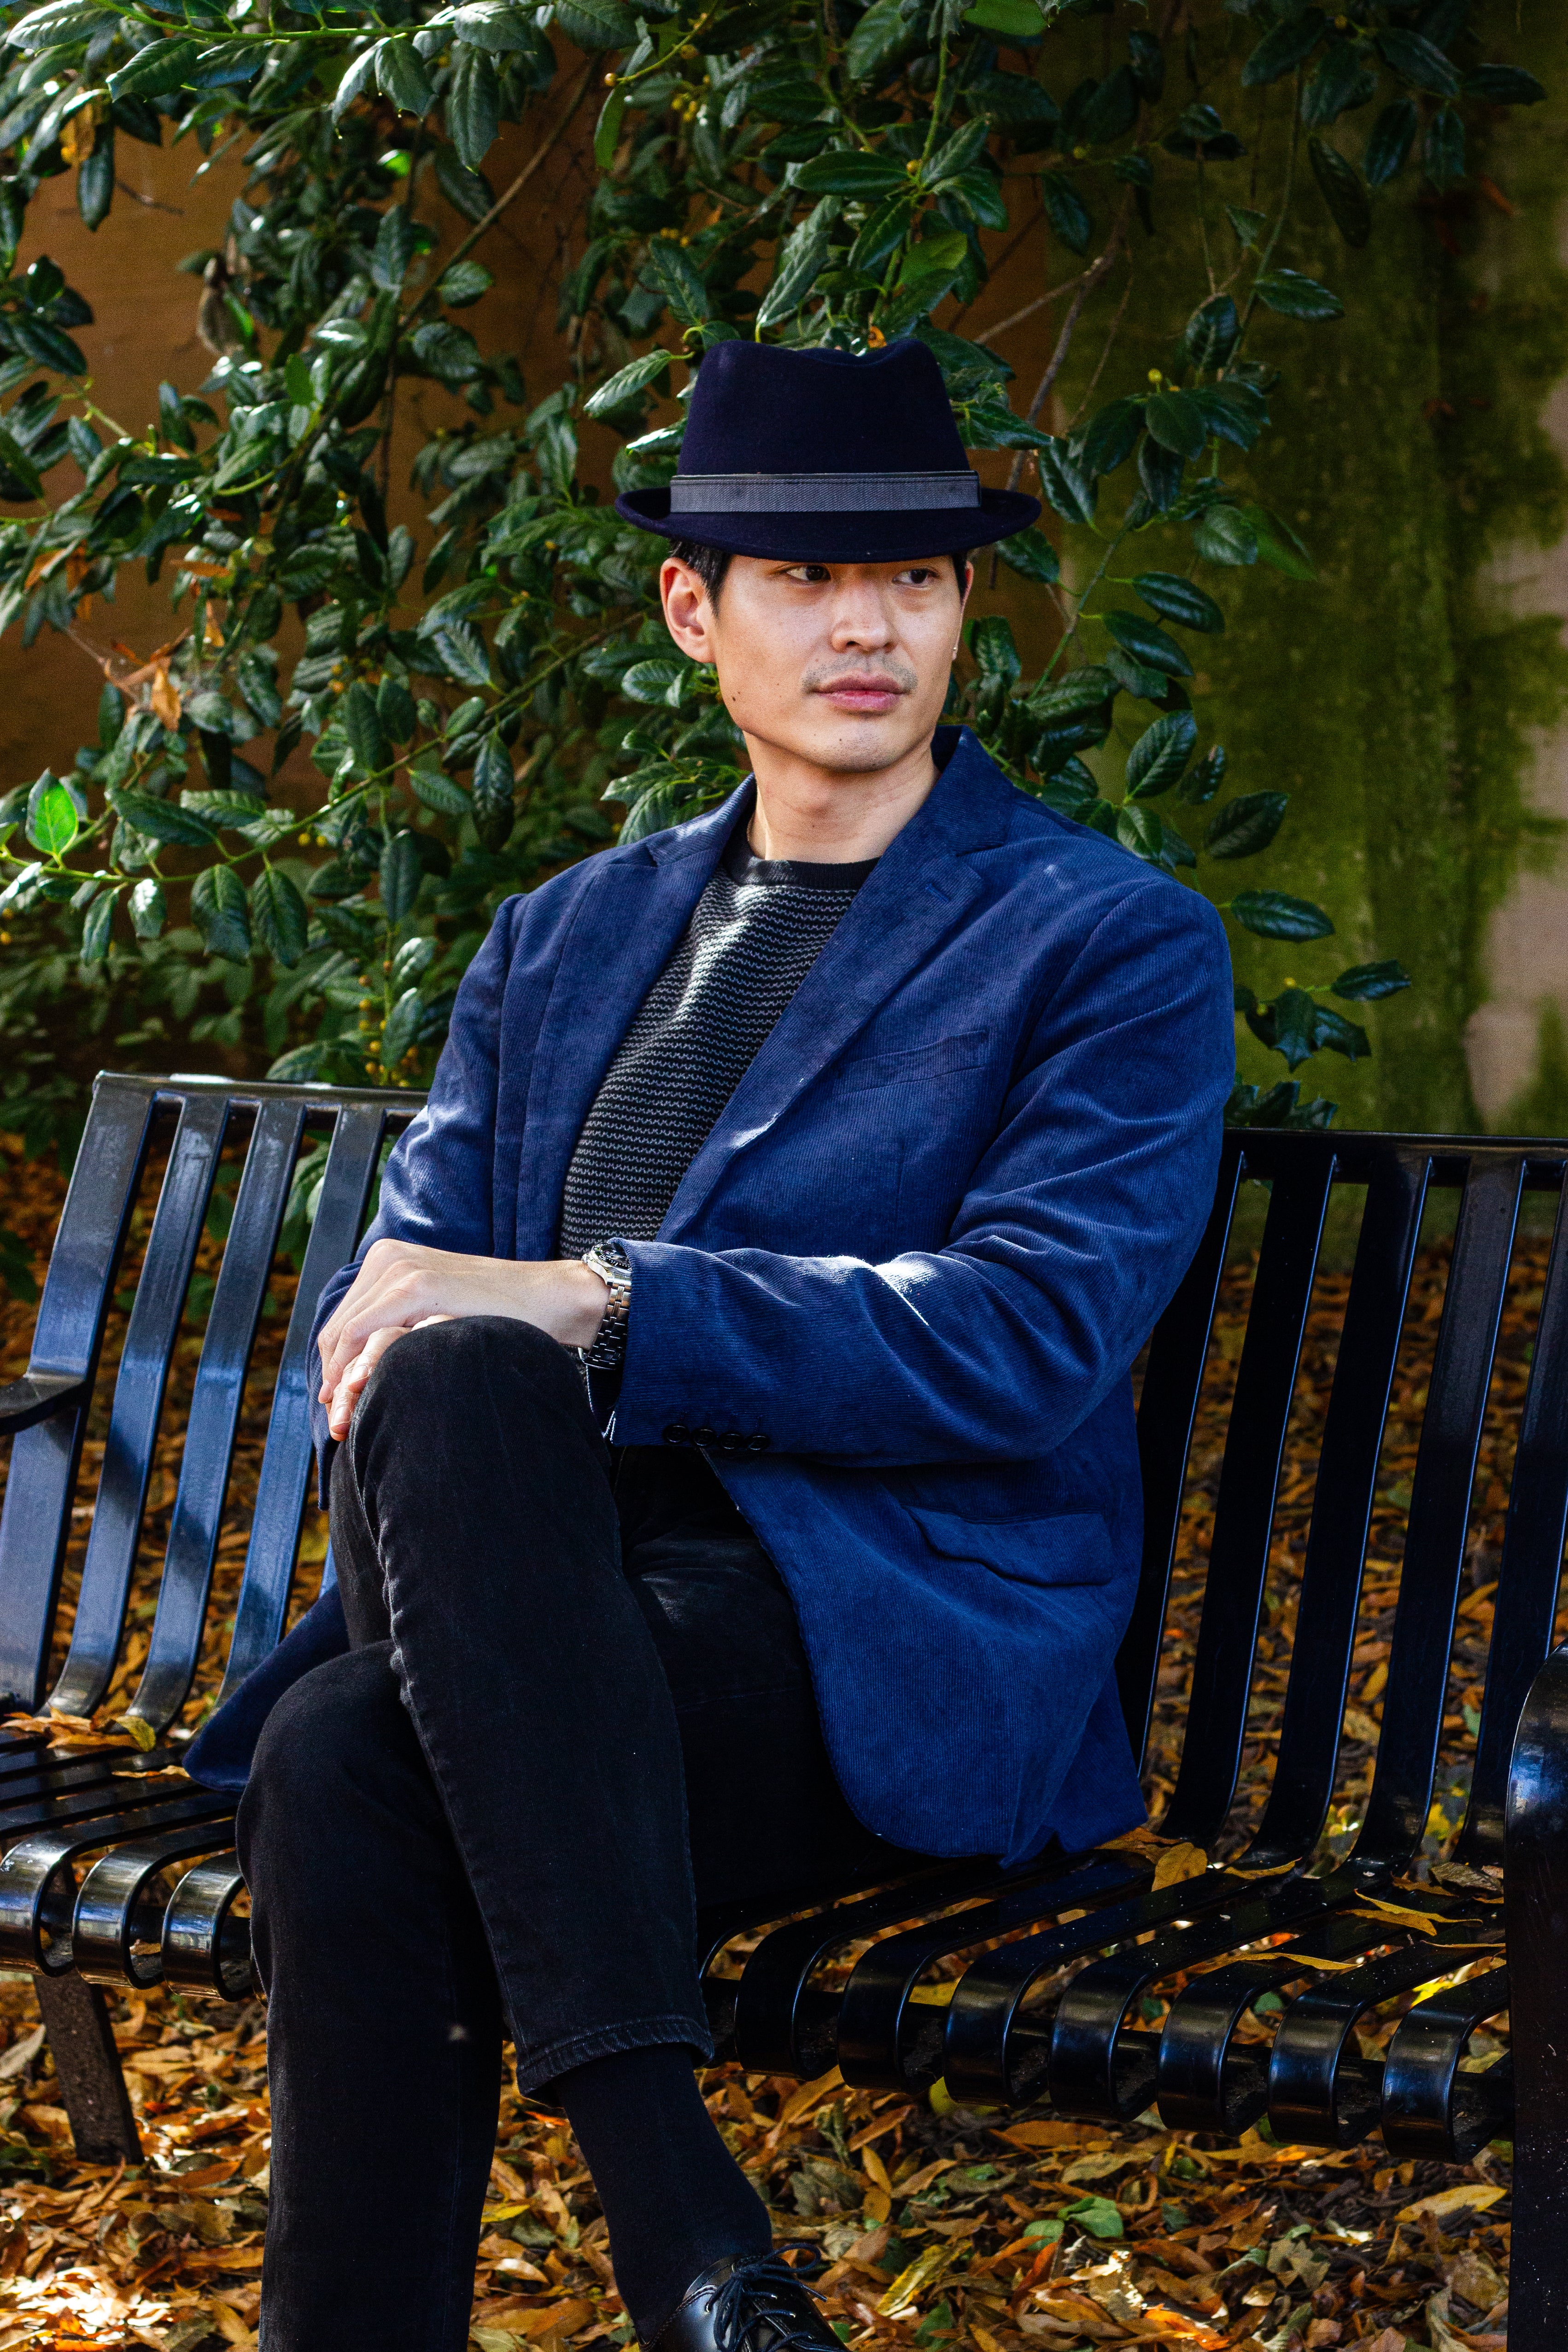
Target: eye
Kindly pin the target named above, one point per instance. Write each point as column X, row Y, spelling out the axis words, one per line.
column 812, row 574
column 917, row 575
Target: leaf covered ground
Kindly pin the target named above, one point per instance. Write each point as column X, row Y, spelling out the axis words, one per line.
column 923, row 2225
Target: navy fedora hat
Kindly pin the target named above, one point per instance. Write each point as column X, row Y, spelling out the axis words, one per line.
column 819, row 456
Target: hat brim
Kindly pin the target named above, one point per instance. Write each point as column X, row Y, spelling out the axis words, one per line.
column 901, row 537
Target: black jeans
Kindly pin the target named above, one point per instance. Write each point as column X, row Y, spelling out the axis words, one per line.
column 575, row 1708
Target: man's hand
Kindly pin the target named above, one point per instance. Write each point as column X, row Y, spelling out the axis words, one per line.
column 402, row 1286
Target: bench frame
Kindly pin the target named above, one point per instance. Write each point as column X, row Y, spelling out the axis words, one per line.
column 159, row 1899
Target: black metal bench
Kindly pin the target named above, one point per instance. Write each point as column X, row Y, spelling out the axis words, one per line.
column 111, row 1876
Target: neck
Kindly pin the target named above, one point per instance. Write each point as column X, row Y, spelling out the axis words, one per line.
column 825, row 816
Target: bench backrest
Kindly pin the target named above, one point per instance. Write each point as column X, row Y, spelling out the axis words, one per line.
column 182, row 1127
column 1490, row 1181
column 133, row 1122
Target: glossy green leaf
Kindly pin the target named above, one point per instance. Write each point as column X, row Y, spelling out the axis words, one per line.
column 361, row 725
column 1296, row 296
column 1064, row 486
column 1279, row 545
column 1388, row 146
column 431, row 785
column 1275, row 915
column 850, row 171
column 1244, row 827
column 1018, row 19
column 54, row 824
column 1177, row 423
column 395, row 708
column 1362, row 983
column 1222, row 535
column 1065, row 211
column 1140, row 830
column 473, row 102
column 607, row 130
column 1332, row 1031
column 669, row 268
column 221, row 915
column 1179, row 600
column 1147, row 644
column 494, row 786
column 149, row 912
column 1282, row 50
column 278, row 919
column 992, row 642
column 1343, row 192
column 162, row 65
column 463, row 283
column 402, row 1031
column 401, row 76
column 1202, row 783
column 627, row 383
column 1418, row 61
column 99, row 925
column 596, row 24
column 1503, row 86
column 801, row 262
column 1031, row 554
column 1110, row 436
column 1211, row 333
column 401, row 873
column 162, row 821
column 1157, row 758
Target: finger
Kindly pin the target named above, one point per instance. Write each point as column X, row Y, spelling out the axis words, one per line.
column 351, row 1382
column 384, row 1301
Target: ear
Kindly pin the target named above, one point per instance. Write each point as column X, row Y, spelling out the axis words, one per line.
column 687, row 614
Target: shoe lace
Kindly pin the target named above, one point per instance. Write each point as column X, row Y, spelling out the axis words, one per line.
column 754, row 2295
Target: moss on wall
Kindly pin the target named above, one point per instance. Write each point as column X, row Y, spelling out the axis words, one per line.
column 1393, row 701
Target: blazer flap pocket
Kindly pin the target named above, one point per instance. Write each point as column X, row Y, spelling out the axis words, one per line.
column 913, row 1068
column 1071, row 1547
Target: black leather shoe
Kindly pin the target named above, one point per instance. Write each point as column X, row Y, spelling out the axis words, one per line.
column 754, row 2304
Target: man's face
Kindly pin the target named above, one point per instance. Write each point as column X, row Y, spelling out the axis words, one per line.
column 843, row 665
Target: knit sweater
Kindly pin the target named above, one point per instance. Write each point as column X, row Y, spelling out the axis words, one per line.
column 754, row 935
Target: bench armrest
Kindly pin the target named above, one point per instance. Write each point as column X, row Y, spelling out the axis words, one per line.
column 37, row 1395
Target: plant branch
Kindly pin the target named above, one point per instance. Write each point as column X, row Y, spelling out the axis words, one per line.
column 509, row 196
column 1093, row 277
column 1040, row 302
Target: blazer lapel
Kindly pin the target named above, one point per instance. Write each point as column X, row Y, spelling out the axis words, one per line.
column 920, row 890
column 631, row 916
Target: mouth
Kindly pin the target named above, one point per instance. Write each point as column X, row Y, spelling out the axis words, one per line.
column 867, row 693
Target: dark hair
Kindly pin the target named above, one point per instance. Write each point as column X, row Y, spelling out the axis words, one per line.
column 711, row 563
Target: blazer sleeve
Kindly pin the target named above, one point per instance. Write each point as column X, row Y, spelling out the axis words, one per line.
column 1080, row 1221
column 438, row 1185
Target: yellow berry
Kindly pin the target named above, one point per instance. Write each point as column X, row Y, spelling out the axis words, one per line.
column 1156, row 375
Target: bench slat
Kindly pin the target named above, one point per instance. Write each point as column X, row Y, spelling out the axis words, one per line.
column 36, row 1520
column 352, row 1162
column 1530, row 1570
column 1423, row 1636
column 1249, row 1478
column 208, row 1452
column 138, row 1400
column 1304, row 1784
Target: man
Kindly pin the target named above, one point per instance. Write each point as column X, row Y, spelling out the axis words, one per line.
column 856, row 1133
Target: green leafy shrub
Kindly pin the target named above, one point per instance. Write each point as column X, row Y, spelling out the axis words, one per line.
column 484, row 698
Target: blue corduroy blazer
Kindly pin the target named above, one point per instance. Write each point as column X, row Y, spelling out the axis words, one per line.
column 918, row 1254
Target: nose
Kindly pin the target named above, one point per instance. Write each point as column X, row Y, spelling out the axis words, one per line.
column 861, row 618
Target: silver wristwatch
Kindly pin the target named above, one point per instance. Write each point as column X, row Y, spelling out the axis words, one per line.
column 614, row 1269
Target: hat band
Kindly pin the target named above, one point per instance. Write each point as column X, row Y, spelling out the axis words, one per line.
column 738, row 494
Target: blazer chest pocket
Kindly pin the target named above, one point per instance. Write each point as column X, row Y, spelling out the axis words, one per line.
column 1070, row 1548
column 914, row 1068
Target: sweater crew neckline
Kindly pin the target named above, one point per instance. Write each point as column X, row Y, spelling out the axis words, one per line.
column 742, row 864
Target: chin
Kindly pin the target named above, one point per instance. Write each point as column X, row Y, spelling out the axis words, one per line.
column 863, row 746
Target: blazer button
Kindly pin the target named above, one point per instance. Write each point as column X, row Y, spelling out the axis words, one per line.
column 677, row 1433
column 732, row 1441
column 704, row 1437
column 758, row 1444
